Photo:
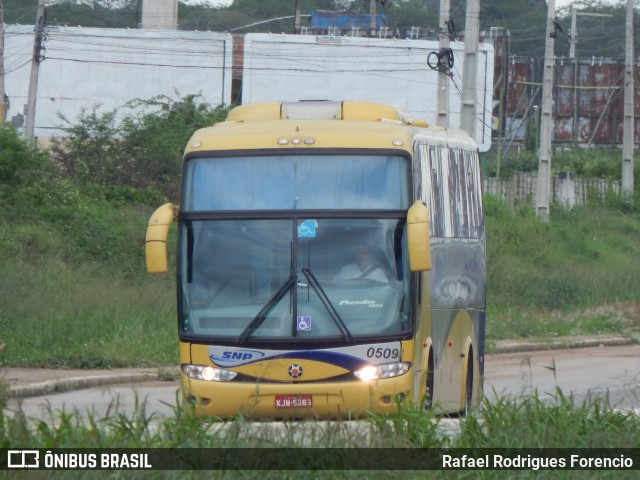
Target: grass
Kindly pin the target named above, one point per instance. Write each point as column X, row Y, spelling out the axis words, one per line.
column 505, row 423
column 63, row 317
column 61, row 310
column 5, row 391
column 621, row 319
column 576, row 275
column 530, row 422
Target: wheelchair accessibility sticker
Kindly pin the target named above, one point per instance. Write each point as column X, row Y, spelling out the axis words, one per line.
column 304, row 323
column 307, row 229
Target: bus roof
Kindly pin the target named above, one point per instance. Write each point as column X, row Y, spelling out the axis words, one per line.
column 320, row 124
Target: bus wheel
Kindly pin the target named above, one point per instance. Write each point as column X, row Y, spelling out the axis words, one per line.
column 428, row 400
column 468, row 391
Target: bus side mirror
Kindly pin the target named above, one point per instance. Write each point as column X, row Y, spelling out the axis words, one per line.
column 418, row 237
column 155, row 248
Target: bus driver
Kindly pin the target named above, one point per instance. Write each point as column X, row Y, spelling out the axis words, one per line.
column 364, row 267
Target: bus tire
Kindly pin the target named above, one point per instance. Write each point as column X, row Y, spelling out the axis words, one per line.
column 468, row 389
column 428, row 398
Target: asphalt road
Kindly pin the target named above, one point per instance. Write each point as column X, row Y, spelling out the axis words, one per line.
column 613, row 372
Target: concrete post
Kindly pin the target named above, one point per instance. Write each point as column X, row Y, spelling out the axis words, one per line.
column 546, row 121
column 470, row 68
column 628, row 125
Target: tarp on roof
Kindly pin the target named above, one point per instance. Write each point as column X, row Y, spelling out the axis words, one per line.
column 323, row 20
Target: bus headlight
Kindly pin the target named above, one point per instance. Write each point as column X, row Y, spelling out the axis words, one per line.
column 201, row 372
column 388, row 370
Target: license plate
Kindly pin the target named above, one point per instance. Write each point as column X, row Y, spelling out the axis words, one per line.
column 293, row 401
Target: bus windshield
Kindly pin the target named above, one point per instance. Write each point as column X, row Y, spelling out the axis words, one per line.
column 294, row 279
column 296, row 182
column 276, row 272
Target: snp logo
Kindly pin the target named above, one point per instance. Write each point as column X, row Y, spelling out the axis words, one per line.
column 23, row 459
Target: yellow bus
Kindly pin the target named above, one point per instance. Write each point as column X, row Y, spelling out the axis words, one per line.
column 330, row 264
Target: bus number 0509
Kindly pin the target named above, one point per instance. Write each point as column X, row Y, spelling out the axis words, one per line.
column 383, row 352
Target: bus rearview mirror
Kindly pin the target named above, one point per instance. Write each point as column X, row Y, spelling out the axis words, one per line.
column 418, row 237
column 155, row 248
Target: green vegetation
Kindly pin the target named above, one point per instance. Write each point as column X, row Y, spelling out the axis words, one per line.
column 74, row 291
column 575, row 275
column 141, row 150
column 601, row 163
column 525, row 422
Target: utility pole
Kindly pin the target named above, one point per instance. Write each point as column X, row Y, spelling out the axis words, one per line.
column 470, row 68
column 372, row 18
column 296, row 19
column 3, row 106
column 35, row 67
column 576, row 69
column 628, row 124
column 573, row 35
column 443, row 78
column 544, row 155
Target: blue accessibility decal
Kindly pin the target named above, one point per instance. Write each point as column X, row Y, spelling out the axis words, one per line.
column 307, row 229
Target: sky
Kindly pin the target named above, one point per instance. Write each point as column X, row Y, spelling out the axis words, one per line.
column 559, row 3
column 566, row 3
column 215, row 3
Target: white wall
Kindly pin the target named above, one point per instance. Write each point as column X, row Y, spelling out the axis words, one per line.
column 88, row 67
column 307, row 67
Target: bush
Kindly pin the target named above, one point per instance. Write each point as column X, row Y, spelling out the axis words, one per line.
column 20, row 164
column 141, row 149
column 524, row 162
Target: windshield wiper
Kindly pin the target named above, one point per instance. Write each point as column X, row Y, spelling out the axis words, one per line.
column 327, row 304
column 264, row 311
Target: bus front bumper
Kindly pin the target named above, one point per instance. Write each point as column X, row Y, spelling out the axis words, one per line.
column 351, row 399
